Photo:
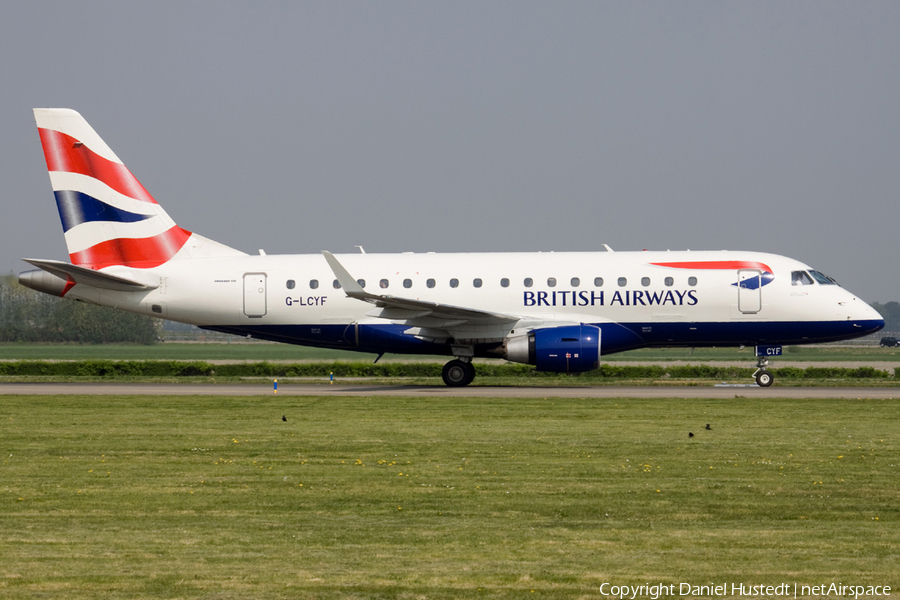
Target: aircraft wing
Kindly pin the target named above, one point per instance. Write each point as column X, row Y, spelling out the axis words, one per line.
column 442, row 316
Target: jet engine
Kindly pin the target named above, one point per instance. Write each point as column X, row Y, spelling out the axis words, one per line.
column 564, row 349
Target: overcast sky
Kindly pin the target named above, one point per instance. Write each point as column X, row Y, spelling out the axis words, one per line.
column 476, row 126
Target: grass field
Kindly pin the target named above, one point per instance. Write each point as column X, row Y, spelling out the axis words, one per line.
column 217, row 497
column 284, row 352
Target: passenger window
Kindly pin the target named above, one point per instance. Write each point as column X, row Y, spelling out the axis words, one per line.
column 692, row 281
column 361, row 282
column 383, row 284
column 430, row 283
column 645, row 281
column 551, row 282
column 622, row 282
column 336, row 284
column 575, row 282
column 454, row 282
column 407, row 283
column 290, row 284
column 313, row 284
column 670, row 282
column 598, row 282
column 529, row 282
column 476, row 282
column 504, row 282
column 801, row 278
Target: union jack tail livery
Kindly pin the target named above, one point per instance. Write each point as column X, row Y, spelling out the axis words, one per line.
column 108, row 218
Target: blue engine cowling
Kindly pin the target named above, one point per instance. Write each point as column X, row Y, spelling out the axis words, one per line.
column 567, row 349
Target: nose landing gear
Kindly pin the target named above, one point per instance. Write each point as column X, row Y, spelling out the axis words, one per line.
column 763, row 377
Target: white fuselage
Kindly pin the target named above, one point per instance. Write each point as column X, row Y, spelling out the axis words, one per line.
column 697, row 302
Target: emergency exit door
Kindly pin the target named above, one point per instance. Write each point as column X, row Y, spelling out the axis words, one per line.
column 255, row 294
column 749, row 291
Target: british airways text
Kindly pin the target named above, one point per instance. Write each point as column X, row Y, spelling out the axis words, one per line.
column 624, row 298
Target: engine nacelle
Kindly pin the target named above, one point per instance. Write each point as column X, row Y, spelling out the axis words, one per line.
column 42, row 281
column 565, row 349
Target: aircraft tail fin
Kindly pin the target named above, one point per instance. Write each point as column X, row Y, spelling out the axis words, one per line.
column 107, row 216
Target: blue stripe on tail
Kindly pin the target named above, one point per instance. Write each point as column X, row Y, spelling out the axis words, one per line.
column 76, row 208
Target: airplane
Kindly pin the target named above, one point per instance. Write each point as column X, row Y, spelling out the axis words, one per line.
column 558, row 311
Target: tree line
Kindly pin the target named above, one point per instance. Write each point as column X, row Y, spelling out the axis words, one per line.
column 30, row 316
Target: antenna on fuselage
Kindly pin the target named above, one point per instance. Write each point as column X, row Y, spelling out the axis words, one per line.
column 361, row 249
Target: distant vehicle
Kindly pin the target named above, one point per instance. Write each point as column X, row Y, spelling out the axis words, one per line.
column 889, row 342
column 544, row 309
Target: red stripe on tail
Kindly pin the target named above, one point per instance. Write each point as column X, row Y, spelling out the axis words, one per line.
column 141, row 253
column 64, row 153
column 70, row 283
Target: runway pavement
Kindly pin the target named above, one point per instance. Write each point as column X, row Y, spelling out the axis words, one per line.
column 252, row 389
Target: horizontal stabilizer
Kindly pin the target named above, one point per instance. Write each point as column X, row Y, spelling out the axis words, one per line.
column 89, row 276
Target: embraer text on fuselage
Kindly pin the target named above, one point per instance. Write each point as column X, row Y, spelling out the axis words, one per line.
column 617, row 298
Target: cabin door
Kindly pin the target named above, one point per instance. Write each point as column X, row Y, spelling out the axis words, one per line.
column 749, row 291
column 255, row 294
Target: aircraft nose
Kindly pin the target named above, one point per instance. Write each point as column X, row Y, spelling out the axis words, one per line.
column 863, row 316
column 877, row 322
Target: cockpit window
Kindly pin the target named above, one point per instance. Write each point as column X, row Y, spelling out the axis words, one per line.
column 823, row 278
column 801, row 278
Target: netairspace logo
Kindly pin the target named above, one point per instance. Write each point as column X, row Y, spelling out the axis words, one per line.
column 783, row 590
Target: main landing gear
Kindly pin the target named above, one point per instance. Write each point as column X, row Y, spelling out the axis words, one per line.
column 763, row 377
column 458, row 373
